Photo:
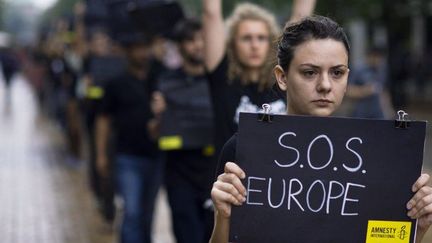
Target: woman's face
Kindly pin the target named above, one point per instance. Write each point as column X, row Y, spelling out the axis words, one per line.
column 316, row 79
column 252, row 43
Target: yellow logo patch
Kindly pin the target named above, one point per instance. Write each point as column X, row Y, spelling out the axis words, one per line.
column 170, row 143
column 388, row 232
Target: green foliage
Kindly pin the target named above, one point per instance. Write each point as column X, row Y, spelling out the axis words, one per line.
column 59, row 9
column 279, row 7
column 2, row 14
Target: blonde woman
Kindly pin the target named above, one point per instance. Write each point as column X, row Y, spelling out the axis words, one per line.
column 239, row 58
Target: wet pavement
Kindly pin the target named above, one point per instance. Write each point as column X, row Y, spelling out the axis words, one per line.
column 45, row 199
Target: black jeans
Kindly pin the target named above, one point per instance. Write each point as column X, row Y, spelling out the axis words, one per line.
column 192, row 215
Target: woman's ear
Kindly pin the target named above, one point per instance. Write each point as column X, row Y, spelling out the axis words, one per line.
column 280, row 77
column 346, row 85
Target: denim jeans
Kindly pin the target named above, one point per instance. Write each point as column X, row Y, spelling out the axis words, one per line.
column 137, row 180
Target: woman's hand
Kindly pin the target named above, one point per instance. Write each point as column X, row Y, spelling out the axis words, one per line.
column 420, row 206
column 228, row 189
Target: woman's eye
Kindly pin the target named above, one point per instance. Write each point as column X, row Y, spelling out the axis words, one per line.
column 338, row 73
column 308, row 73
column 263, row 38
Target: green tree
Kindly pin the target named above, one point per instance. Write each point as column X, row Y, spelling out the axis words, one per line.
column 59, row 9
column 2, row 16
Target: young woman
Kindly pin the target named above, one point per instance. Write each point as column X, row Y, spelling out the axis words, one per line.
column 239, row 63
column 313, row 70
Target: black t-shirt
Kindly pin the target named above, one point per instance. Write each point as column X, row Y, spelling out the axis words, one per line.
column 127, row 101
column 230, row 97
column 227, row 154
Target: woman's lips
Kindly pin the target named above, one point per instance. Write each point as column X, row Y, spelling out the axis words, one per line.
column 322, row 102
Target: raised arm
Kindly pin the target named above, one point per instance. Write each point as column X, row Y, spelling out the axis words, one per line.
column 301, row 9
column 214, row 33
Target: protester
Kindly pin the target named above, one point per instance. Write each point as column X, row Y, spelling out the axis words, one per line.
column 99, row 66
column 183, row 105
column 239, row 61
column 137, row 169
column 313, row 70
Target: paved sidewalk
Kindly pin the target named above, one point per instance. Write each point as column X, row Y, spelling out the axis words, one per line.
column 43, row 198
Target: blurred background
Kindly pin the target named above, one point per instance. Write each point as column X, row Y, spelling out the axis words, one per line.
column 45, row 189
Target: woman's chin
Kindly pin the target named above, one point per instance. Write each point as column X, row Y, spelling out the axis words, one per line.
column 321, row 112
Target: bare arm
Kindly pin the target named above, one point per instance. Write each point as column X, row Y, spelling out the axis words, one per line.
column 301, row 9
column 214, row 33
column 221, row 229
column 102, row 136
column 227, row 190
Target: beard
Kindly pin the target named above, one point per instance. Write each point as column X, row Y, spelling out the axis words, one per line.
column 192, row 58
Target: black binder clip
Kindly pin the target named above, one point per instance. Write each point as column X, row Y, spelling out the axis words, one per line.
column 266, row 116
column 402, row 121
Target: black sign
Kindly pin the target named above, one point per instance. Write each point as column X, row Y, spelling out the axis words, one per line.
column 326, row 180
column 188, row 121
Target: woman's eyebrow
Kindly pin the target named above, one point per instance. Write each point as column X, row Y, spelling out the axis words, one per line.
column 309, row 65
column 318, row 67
column 340, row 65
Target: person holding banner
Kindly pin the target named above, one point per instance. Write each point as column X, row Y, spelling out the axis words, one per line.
column 313, row 70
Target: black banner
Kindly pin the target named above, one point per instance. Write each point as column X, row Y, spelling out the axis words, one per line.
column 326, row 180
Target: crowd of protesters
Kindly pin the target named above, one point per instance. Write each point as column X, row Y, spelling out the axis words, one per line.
column 153, row 108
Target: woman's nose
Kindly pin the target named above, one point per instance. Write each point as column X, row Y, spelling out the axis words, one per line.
column 324, row 84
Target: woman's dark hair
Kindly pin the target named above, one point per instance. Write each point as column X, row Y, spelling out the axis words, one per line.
column 310, row 28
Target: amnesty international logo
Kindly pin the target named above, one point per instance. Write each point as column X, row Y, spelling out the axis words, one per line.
column 388, row 232
column 402, row 233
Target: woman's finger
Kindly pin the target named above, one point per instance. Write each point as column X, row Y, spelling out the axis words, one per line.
column 229, row 188
column 221, row 197
column 420, row 194
column 421, row 181
column 422, row 204
column 234, row 180
column 231, row 167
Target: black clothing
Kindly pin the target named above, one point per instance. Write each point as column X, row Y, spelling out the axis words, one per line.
column 193, row 166
column 189, row 113
column 127, row 101
column 229, row 97
column 63, row 77
column 227, row 155
column 10, row 65
column 189, row 170
column 100, row 69
column 191, row 210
